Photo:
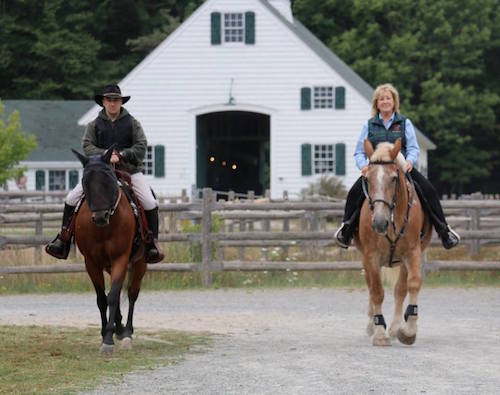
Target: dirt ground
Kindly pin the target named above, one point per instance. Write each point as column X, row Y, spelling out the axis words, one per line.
column 298, row 341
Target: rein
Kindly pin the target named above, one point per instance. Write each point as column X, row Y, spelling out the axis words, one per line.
column 391, row 206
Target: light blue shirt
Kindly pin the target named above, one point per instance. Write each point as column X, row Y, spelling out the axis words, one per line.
column 412, row 148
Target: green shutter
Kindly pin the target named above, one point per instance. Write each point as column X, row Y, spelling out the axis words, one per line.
column 306, row 160
column 339, row 97
column 40, row 180
column 73, row 178
column 340, row 159
column 216, row 28
column 159, row 161
column 249, row 27
column 305, row 99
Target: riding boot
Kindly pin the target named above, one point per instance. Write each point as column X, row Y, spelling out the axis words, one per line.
column 154, row 253
column 354, row 201
column 60, row 246
column 448, row 237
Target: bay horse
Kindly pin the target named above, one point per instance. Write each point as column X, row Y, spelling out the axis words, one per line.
column 105, row 228
column 393, row 231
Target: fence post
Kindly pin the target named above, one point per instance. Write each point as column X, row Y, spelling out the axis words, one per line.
column 39, row 233
column 206, row 238
column 475, row 225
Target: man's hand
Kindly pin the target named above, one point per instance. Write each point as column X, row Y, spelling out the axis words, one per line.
column 364, row 170
column 115, row 157
column 409, row 166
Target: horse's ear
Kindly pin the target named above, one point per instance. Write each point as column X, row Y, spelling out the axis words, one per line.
column 81, row 157
column 106, row 156
column 368, row 148
column 395, row 150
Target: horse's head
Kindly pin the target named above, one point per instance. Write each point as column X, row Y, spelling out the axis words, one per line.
column 382, row 182
column 100, row 186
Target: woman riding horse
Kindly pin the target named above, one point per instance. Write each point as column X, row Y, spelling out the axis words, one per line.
column 388, row 125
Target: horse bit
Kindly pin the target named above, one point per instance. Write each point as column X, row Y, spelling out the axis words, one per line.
column 371, row 202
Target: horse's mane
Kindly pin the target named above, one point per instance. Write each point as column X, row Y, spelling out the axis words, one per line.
column 382, row 154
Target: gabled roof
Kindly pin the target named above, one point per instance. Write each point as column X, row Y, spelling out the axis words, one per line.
column 337, row 64
column 54, row 123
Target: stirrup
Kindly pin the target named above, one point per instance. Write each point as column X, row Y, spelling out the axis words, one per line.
column 58, row 248
column 339, row 237
column 453, row 233
column 154, row 253
column 449, row 238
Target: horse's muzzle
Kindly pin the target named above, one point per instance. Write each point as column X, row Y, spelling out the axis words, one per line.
column 380, row 224
column 101, row 218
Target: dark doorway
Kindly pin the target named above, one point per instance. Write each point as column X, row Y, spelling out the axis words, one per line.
column 233, row 151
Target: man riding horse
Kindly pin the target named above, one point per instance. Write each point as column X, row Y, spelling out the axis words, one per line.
column 114, row 126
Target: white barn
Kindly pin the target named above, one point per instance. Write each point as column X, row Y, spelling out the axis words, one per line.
column 242, row 96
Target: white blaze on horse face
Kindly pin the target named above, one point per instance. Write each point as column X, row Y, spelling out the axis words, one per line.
column 382, row 192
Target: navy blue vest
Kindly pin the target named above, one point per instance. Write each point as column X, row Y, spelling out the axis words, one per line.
column 377, row 133
column 119, row 132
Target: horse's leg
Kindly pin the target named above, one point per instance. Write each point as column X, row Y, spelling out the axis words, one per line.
column 370, row 329
column 118, row 323
column 407, row 332
column 97, row 277
column 400, row 291
column 118, row 271
column 377, row 297
column 137, row 274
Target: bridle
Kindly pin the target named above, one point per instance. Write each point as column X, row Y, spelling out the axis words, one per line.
column 391, row 206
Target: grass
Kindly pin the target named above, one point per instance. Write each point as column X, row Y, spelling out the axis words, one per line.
column 39, row 360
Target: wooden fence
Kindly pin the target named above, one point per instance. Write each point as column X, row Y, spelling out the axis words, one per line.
column 306, row 226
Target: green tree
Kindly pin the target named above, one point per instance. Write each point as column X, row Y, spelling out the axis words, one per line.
column 441, row 55
column 14, row 146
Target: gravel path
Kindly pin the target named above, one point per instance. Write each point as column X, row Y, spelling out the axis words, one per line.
column 299, row 341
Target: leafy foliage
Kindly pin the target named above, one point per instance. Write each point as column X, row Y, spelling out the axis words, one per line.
column 14, row 146
column 325, row 186
column 442, row 55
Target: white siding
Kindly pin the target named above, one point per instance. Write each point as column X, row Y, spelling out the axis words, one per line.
column 185, row 74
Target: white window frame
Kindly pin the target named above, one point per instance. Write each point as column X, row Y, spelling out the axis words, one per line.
column 323, row 97
column 323, row 156
column 233, row 31
column 50, row 180
column 149, row 161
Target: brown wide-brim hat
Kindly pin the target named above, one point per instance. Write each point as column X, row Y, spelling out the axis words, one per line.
column 111, row 91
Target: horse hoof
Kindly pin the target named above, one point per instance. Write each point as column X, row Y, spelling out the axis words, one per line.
column 406, row 339
column 107, row 348
column 382, row 341
column 393, row 331
column 126, row 343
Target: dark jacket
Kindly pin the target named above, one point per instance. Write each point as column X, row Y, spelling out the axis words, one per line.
column 125, row 131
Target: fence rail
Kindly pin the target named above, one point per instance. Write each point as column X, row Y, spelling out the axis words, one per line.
column 283, row 224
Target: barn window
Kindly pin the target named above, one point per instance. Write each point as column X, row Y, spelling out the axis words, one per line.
column 154, row 161
column 323, row 97
column 148, row 161
column 57, row 180
column 234, row 27
column 324, row 158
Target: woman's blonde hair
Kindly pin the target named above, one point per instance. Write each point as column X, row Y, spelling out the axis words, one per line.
column 378, row 91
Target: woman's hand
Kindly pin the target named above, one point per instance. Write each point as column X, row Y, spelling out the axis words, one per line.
column 409, row 166
column 364, row 170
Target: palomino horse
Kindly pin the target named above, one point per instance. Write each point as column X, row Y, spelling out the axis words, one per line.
column 393, row 230
column 105, row 229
